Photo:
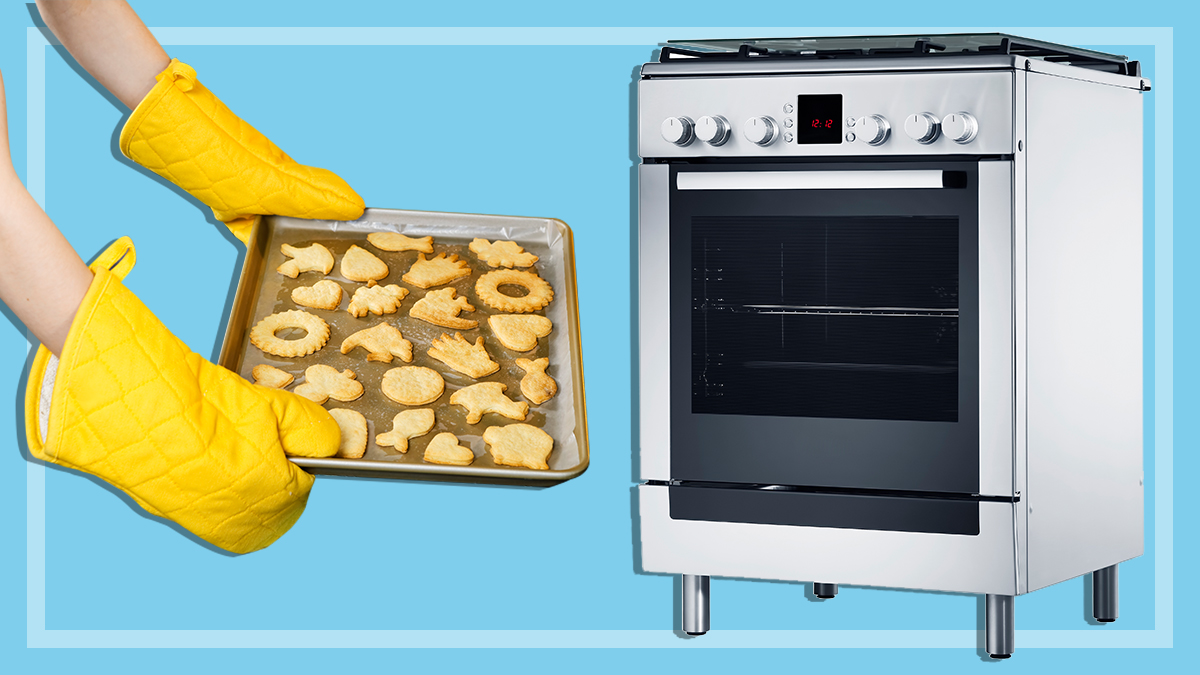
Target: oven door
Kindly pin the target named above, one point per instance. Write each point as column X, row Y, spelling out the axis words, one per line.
column 824, row 326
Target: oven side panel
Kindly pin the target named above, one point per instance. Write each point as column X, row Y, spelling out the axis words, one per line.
column 654, row 330
column 1084, row 327
column 982, row 563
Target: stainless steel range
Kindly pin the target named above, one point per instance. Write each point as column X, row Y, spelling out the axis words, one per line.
column 891, row 316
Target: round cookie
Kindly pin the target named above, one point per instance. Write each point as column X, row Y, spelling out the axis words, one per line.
column 263, row 333
column 488, row 290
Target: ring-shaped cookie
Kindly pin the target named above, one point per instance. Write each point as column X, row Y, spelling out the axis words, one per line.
column 488, row 290
column 263, row 333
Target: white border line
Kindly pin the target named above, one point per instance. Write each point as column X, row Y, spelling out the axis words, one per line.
column 1162, row 636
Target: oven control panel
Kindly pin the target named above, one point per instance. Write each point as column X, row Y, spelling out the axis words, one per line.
column 827, row 115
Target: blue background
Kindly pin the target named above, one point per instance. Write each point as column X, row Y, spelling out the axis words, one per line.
column 469, row 129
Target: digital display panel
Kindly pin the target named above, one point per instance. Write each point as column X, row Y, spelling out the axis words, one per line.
column 818, row 119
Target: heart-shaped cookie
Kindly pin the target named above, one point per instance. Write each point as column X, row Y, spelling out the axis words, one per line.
column 444, row 449
column 324, row 294
column 520, row 332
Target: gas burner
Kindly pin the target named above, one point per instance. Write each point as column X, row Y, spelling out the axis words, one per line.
column 896, row 46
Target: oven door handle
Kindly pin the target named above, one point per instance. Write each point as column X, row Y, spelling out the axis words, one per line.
column 903, row 179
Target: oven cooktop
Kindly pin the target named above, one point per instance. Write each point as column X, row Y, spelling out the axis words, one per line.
column 896, row 46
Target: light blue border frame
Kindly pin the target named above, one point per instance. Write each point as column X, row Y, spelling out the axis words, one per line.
column 1162, row 636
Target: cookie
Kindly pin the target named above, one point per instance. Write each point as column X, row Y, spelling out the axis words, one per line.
column 520, row 332
column 322, row 383
column 487, row 397
column 354, row 433
column 441, row 308
column 502, row 253
column 394, row 241
column 537, row 385
column 444, row 449
column 314, row 258
column 488, row 289
column 382, row 342
column 519, row 445
column 263, row 333
column 413, row 385
column 270, row 376
column 377, row 300
column 468, row 359
column 359, row 264
column 436, row 271
column 406, row 425
column 324, row 294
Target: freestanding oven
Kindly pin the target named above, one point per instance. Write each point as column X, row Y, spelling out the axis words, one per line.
column 891, row 316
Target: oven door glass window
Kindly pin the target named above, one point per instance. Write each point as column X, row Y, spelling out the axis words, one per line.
column 824, row 324
column 829, row 316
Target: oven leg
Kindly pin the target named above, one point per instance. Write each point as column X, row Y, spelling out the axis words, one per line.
column 1104, row 594
column 695, row 604
column 999, row 629
column 824, row 591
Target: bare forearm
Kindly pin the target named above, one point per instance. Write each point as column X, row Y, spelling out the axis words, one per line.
column 42, row 280
column 108, row 39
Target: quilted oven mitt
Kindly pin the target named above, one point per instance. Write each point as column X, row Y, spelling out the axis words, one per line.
column 186, row 439
column 184, row 133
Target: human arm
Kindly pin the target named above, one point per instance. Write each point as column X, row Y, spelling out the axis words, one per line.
column 180, row 130
column 42, row 278
column 108, row 39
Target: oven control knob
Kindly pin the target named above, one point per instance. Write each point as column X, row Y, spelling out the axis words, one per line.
column 960, row 127
column 923, row 127
column 760, row 130
column 677, row 130
column 713, row 130
column 873, row 129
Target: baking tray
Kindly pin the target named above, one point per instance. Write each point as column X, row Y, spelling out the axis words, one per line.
column 262, row 291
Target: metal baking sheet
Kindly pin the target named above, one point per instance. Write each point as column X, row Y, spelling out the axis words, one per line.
column 262, row 291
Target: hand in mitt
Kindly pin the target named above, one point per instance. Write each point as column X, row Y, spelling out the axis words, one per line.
column 184, row 133
column 186, row 439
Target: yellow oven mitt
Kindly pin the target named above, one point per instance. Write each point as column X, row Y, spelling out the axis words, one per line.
column 184, row 133
column 186, row 439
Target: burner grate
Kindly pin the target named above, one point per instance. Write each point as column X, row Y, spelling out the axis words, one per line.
column 901, row 46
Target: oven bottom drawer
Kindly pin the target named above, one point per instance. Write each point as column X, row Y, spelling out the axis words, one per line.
column 861, row 512
column 983, row 563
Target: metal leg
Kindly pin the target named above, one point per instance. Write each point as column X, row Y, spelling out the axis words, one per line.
column 999, row 628
column 824, row 591
column 1104, row 594
column 695, row 604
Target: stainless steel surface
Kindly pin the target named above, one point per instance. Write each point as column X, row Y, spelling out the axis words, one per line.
column 695, row 604
column 1083, row 75
column 996, row 397
column 923, row 128
column 1104, row 594
column 825, row 591
column 988, row 95
column 960, row 127
column 262, row 291
column 1084, row 331
column 873, row 129
column 1018, row 350
column 698, row 67
column 713, row 129
column 760, row 130
column 809, row 180
column 999, row 621
column 677, row 130
column 654, row 331
column 945, row 64
column 937, row 562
